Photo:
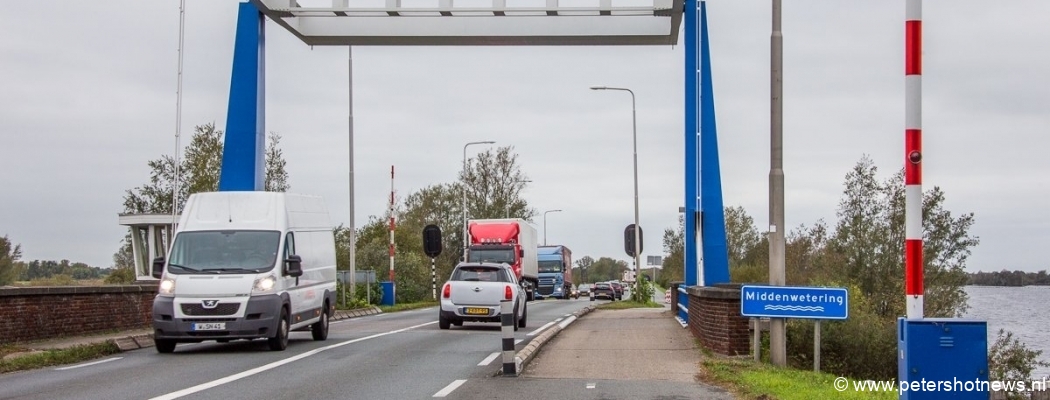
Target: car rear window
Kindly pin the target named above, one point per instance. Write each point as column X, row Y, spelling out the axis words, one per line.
column 480, row 274
column 601, row 286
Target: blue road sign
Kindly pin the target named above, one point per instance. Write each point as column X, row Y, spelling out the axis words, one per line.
column 794, row 302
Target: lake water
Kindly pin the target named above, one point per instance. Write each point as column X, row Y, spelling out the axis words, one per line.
column 1021, row 310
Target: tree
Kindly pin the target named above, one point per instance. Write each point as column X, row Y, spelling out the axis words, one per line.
column 123, row 269
column 9, row 265
column 276, row 173
column 606, row 269
column 869, row 244
column 741, row 235
column 582, row 265
column 493, row 184
column 674, row 263
column 199, row 170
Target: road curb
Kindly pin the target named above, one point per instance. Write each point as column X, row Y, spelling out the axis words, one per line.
column 135, row 342
column 527, row 354
column 356, row 313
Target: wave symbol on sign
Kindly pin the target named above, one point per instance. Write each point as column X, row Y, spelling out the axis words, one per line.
column 794, row 308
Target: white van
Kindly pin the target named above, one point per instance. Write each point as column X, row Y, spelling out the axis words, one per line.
column 246, row 265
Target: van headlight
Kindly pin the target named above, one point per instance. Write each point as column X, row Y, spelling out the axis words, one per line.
column 264, row 284
column 167, row 287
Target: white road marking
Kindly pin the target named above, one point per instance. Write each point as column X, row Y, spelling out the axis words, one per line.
column 448, row 389
column 488, row 360
column 275, row 364
column 559, row 319
column 540, row 329
column 591, row 385
column 87, row 364
column 565, row 323
column 518, row 341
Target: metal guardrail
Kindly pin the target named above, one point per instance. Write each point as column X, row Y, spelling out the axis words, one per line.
column 683, row 306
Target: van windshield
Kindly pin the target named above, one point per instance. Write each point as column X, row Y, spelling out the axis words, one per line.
column 235, row 252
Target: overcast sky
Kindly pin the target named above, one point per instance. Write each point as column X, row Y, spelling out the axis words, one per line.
column 87, row 97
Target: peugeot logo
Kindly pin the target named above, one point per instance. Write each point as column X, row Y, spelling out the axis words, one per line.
column 476, row 289
column 209, row 303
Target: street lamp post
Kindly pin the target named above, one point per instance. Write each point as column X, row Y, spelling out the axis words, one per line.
column 465, row 233
column 545, row 225
column 634, row 129
column 506, row 207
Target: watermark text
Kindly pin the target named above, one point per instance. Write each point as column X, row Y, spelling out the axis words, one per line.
column 955, row 385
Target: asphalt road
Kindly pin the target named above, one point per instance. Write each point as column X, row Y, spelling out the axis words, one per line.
column 387, row 356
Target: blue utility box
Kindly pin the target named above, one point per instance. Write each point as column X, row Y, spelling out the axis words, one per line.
column 388, row 293
column 942, row 358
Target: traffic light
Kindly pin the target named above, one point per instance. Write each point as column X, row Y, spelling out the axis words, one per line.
column 628, row 240
column 432, row 240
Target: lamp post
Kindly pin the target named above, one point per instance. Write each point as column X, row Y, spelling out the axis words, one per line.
column 465, row 233
column 507, row 206
column 545, row 225
column 634, row 128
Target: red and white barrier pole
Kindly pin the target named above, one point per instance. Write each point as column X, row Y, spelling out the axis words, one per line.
column 913, row 264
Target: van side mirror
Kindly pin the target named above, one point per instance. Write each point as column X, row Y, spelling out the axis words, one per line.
column 521, row 253
column 294, row 266
column 158, row 267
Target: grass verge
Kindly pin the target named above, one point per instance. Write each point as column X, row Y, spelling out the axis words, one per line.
column 763, row 381
column 48, row 358
column 408, row 306
column 625, row 304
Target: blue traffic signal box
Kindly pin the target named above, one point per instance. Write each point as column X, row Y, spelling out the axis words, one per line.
column 942, row 358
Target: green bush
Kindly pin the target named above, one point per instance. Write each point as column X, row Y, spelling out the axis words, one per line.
column 644, row 294
column 862, row 347
column 749, row 273
column 363, row 295
column 55, row 280
column 1011, row 360
column 120, row 276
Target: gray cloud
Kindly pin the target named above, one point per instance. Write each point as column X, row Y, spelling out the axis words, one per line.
column 87, row 101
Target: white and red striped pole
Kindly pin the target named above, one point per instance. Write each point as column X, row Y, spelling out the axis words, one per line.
column 913, row 264
column 391, row 223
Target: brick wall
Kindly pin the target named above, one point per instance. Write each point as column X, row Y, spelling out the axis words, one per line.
column 714, row 318
column 35, row 313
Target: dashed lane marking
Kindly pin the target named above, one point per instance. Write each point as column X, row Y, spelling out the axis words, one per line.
column 448, row 389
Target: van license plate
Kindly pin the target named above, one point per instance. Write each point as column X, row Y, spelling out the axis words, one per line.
column 477, row 311
column 210, row 326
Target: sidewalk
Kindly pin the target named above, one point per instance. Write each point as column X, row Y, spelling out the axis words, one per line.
column 137, row 338
column 647, row 341
column 638, row 344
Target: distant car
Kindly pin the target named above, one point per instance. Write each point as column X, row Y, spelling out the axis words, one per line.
column 618, row 288
column 474, row 292
column 603, row 290
column 583, row 290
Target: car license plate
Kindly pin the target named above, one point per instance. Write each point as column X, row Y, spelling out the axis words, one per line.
column 477, row 311
column 210, row 326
